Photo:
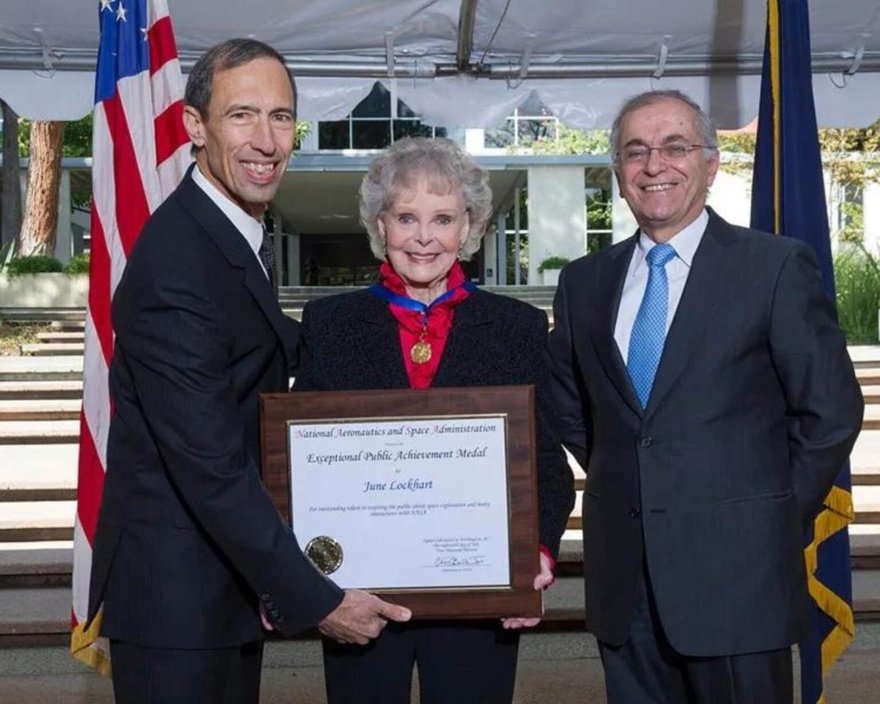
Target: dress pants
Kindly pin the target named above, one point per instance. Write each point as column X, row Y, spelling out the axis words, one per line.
column 173, row 676
column 460, row 662
column 647, row 670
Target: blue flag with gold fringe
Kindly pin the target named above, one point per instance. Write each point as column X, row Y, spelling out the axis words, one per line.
column 788, row 198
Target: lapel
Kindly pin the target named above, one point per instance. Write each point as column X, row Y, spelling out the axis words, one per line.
column 237, row 252
column 705, row 283
column 608, row 291
column 471, row 322
column 378, row 343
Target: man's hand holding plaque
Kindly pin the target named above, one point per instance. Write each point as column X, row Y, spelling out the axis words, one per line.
column 361, row 617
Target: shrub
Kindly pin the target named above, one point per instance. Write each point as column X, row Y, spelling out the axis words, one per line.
column 857, row 280
column 553, row 262
column 36, row 264
column 77, row 265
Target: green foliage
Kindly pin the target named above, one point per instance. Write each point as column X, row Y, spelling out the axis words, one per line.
column 854, row 216
column 77, row 265
column 14, row 335
column 77, row 137
column 302, row 131
column 857, row 279
column 554, row 262
column 37, row 264
column 852, row 156
column 572, row 141
column 738, row 149
column 599, row 202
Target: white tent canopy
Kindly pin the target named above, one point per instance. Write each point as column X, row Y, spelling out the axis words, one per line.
column 470, row 62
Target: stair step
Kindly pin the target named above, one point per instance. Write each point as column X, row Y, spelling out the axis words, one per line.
column 868, row 377
column 69, row 325
column 39, row 472
column 865, row 355
column 53, row 335
column 871, row 420
column 66, row 368
column 20, row 390
column 31, row 432
column 46, row 564
column 54, row 349
column 871, row 394
column 40, row 409
column 42, row 315
column 22, row 521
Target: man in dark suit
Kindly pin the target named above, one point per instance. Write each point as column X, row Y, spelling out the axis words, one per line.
column 704, row 385
column 190, row 551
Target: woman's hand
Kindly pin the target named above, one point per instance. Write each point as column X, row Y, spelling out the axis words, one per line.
column 543, row 579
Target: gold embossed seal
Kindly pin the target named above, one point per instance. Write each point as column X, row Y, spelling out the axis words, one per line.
column 325, row 553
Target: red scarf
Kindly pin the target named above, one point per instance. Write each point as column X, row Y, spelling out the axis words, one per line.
column 410, row 323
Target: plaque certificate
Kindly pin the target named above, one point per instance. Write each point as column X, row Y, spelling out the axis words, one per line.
column 426, row 497
column 431, row 493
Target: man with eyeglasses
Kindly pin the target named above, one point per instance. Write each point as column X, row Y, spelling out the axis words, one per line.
column 704, row 385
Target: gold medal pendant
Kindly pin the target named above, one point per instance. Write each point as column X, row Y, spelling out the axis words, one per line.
column 420, row 352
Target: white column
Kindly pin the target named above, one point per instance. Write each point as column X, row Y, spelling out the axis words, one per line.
column 557, row 215
column 501, row 249
column 293, row 260
column 474, row 140
column 490, row 256
column 63, row 237
column 871, row 212
column 623, row 224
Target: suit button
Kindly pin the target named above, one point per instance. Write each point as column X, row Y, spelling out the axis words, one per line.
column 634, row 513
column 646, row 441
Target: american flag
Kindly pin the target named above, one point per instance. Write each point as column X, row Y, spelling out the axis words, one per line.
column 139, row 154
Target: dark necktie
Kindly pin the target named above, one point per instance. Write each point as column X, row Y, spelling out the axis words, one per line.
column 649, row 329
column 267, row 257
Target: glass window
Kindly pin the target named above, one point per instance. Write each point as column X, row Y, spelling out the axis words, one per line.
column 376, row 104
column 530, row 122
column 333, row 135
column 370, row 125
column 370, row 134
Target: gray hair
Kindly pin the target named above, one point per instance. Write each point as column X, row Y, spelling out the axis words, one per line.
column 446, row 166
column 229, row 54
column 704, row 124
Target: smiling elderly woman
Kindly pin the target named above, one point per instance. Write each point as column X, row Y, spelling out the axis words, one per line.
column 425, row 204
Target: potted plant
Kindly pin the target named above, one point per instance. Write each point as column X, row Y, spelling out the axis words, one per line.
column 42, row 282
column 549, row 269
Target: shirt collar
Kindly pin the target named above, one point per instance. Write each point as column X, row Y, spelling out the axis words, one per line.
column 685, row 242
column 251, row 229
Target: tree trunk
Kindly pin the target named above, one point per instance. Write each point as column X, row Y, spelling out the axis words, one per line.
column 44, row 181
column 10, row 199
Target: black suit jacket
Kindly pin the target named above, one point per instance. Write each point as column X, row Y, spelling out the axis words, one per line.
column 754, row 409
column 352, row 341
column 187, row 538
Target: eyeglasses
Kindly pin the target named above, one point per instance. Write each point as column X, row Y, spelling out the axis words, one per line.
column 674, row 151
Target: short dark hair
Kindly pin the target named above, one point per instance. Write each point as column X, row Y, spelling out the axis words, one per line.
column 229, row 54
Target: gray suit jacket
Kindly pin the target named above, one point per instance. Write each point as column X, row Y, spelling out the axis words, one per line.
column 754, row 410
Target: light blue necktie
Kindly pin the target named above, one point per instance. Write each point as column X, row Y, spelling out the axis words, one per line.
column 649, row 329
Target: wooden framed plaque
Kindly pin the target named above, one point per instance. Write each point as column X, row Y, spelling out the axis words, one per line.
column 425, row 496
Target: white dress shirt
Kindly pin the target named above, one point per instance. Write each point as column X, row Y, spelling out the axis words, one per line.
column 685, row 244
column 250, row 228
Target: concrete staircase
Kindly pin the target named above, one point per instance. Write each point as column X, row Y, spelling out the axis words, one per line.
column 40, row 396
